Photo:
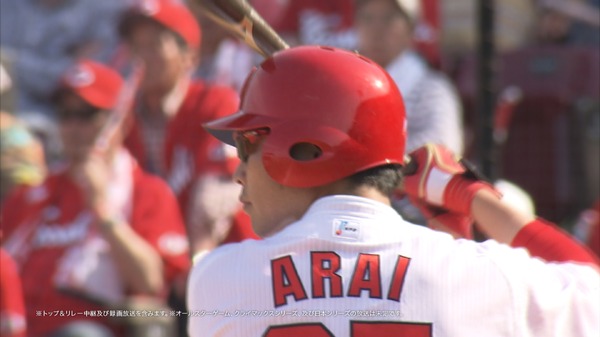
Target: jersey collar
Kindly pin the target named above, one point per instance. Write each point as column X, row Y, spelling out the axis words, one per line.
column 347, row 218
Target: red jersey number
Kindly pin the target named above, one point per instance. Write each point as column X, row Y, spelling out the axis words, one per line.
column 357, row 329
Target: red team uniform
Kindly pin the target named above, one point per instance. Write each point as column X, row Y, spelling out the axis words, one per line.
column 189, row 154
column 52, row 219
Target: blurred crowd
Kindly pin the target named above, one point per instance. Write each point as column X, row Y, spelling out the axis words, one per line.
column 110, row 186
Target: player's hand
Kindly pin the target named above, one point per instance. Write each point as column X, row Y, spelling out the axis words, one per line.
column 438, row 177
column 439, row 219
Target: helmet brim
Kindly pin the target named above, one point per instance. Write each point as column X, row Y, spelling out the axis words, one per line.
column 223, row 128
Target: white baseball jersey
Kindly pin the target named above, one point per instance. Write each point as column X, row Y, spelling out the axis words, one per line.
column 353, row 267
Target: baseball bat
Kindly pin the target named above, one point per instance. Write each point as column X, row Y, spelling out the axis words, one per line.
column 240, row 18
column 122, row 108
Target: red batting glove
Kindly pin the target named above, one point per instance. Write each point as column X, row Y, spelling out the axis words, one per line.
column 457, row 225
column 441, row 180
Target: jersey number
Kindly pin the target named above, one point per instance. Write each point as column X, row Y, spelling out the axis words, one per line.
column 357, row 329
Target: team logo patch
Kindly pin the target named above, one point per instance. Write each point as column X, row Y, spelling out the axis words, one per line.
column 346, row 229
column 79, row 76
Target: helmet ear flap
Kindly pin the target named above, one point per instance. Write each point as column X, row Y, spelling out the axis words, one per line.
column 305, row 151
column 295, row 150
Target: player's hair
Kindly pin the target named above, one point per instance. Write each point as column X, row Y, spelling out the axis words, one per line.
column 385, row 178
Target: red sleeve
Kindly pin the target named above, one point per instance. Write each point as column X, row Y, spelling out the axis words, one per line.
column 545, row 240
column 156, row 217
column 12, row 307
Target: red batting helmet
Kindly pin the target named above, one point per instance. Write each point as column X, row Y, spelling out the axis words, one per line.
column 339, row 101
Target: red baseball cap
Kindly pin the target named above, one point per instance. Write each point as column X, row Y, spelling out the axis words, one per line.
column 172, row 14
column 96, row 83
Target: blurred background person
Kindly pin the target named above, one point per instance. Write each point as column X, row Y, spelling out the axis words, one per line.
column 98, row 233
column 165, row 137
column 433, row 108
column 385, row 30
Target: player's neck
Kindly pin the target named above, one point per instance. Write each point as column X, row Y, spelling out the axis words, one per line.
column 373, row 194
column 345, row 188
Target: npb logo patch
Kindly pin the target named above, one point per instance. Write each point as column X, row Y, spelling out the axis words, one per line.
column 346, row 229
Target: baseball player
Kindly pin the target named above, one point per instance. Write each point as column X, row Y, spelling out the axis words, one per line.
column 321, row 136
column 163, row 137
